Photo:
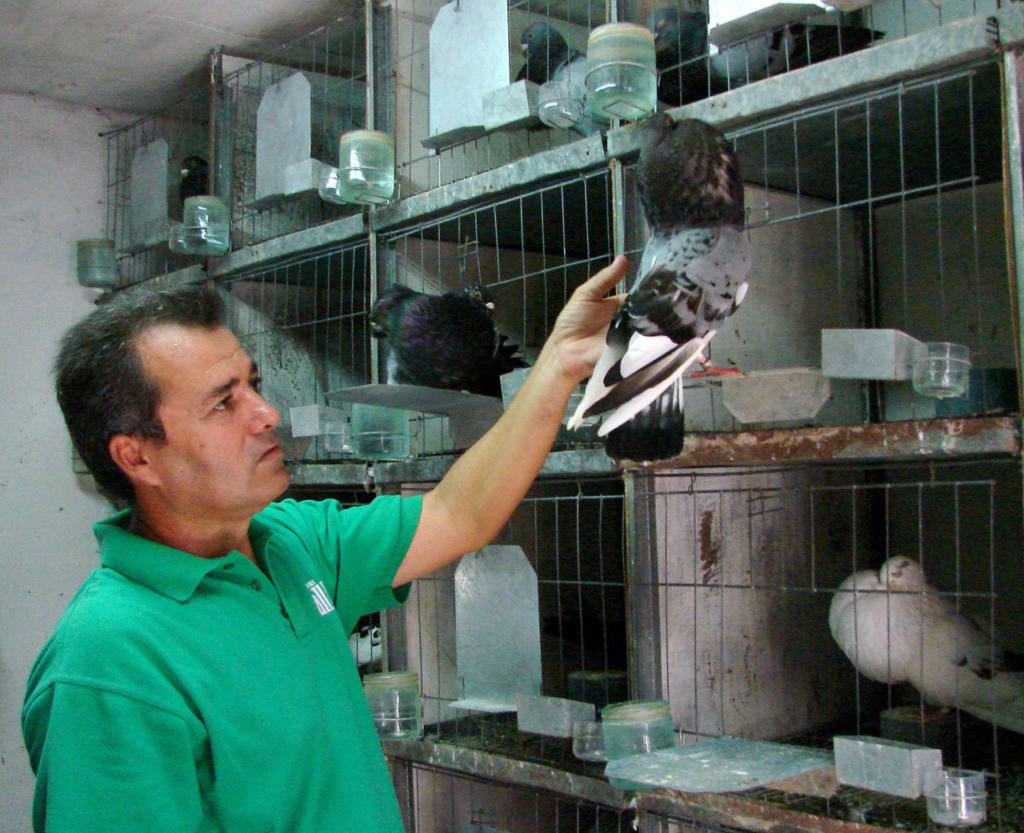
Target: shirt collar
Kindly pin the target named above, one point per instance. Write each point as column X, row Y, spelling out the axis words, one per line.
column 170, row 572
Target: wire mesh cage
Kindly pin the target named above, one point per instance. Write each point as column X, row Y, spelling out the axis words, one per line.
column 736, row 597
column 529, row 250
column 153, row 164
column 304, row 321
column 442, row 132
column 571, row 533
column 440, row 800
column 283, row 116
column 871, row 214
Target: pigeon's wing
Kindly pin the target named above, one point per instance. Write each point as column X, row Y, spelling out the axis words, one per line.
column 697, row 279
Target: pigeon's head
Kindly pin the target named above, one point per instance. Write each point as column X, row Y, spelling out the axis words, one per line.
column 479, row 295
column 194, row 166
column 540, row 37
column 388, row 307
column 902, row 573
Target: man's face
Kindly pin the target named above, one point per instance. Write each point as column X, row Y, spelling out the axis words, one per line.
column 220, row 459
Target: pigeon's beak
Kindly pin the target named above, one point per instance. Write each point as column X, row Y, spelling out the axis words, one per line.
column 524, row 48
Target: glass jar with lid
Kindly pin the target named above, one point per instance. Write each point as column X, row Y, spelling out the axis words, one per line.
column 622, row 78
column 394, row 701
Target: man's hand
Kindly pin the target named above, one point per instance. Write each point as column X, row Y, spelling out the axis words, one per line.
column 577, row 338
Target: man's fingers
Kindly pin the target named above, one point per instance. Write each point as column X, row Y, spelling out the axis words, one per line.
column 602, row 282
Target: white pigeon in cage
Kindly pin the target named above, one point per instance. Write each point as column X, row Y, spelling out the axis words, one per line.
column 895, row 627
column 692, row 276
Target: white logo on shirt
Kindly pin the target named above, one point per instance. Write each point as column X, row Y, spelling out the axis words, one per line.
column 320, row 598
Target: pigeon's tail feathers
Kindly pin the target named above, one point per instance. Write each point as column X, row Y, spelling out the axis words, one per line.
column 645, row 384
column 597, row 388
column 654, row 433
column 507, row 356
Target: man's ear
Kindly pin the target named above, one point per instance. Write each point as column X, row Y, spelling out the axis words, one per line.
column 131, row 454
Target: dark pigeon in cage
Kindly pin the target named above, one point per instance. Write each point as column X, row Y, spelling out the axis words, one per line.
column 443, row 341
column 195, row 178
column 681, row 55
column 561, row 70
column 692, row 276
column 545, row 52
column 789, row 47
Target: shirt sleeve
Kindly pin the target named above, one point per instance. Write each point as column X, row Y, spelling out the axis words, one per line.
column 105, row 761
column 361, row 547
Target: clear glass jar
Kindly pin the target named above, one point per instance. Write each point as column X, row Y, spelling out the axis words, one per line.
column 206, row 226
column 380, row 432
column 394, row 701
column 637, row 726
column 622, row 79
column 366, row 167
column 97, row 266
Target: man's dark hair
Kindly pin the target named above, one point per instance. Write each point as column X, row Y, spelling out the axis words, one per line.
column 101, row 387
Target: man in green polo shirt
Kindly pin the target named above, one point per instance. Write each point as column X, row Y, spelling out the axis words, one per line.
column 201, row 679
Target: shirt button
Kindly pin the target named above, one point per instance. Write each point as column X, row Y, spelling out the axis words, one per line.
column 255, row 584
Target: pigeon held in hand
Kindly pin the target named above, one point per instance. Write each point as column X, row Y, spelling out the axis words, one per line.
column 692, row 276
column 895, row 627
column 443, row 341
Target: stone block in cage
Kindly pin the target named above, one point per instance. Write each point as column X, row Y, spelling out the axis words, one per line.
column 868, row 353
column 552, row 716
column 887, row 766
column 794, row 394
column 317, row 420
column 465, row 38
column 511, row 107
column 284, row 137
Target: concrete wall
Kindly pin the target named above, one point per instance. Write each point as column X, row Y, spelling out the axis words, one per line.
column 52, row 177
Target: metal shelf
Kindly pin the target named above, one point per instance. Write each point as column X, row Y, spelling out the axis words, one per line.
column 916, row 440
column 508, row 770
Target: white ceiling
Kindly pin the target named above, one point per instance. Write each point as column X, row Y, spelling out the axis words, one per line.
column 139, row 55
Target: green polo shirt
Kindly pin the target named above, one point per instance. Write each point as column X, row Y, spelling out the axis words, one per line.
column 187, row 694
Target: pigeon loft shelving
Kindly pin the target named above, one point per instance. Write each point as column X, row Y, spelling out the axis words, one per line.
column 884, row 191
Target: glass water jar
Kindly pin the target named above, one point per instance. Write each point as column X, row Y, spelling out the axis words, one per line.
column 637, row 726
column 206, row 225
column 622, row 79
column 97, row 266
column 366, row 167
column 394, row 701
